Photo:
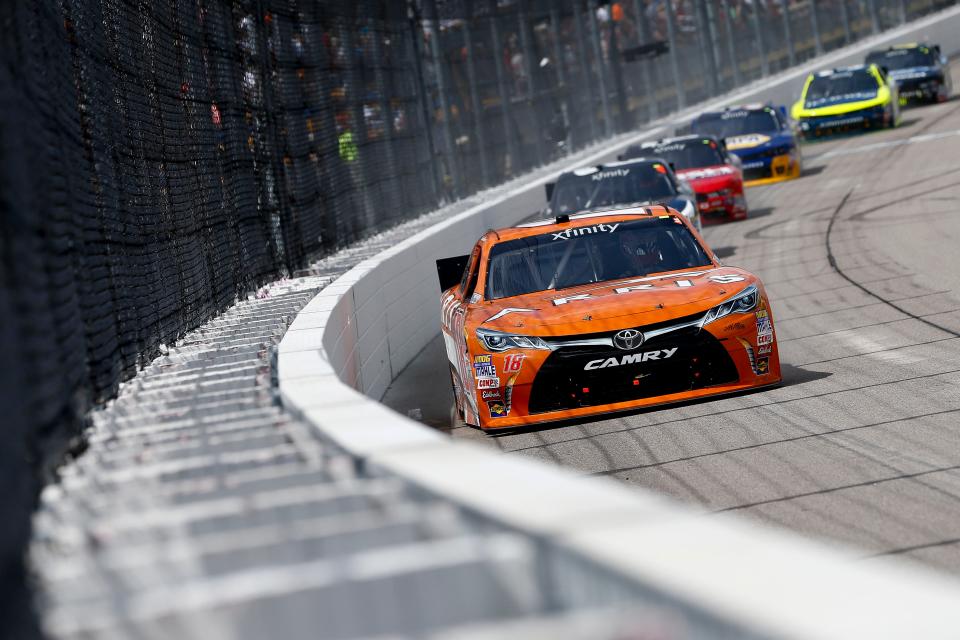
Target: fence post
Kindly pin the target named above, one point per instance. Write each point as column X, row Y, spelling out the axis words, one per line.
column 674, row 55
column 845, row 19
column 815, row 25
column 788, row 34
column 646, row 66
column 714, row 41
column 731, row 43
column 424, row 99
column 512, row 156
column 601, row 73
column 530, row 67
column 475, row 104
column 438, row 66
column 386, row 109
column 562, row 88
column 758, row 34
column 874, row 18
column 902, row 11
column 624, row 122
column 585, row 68
column 706, row 45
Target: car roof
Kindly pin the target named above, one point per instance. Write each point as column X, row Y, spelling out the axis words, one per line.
column 617, row 213
column 826, row 73
column 753, row 106
column 590, row 169
column 691, row 137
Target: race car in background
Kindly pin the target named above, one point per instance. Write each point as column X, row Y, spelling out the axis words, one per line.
column 762, row 138
column 597, row 312
column 713, row 173
column 631, row 182
column 919, row 71
column 856, row 98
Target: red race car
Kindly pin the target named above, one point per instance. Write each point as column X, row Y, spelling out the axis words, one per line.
column 704, row 162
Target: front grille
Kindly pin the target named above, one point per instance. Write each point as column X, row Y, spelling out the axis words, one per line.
column 563, row 383
column 757, row 173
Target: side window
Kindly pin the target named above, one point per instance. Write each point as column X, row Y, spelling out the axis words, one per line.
column 469, row 281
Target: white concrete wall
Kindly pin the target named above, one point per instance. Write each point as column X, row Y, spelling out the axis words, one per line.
column 342, row 351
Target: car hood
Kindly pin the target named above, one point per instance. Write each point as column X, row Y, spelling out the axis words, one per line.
column 613, row 305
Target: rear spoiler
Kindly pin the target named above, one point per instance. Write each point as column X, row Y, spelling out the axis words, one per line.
column 450, row 270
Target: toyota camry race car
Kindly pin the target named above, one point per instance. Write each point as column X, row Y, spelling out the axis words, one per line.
column 632, row 182
column 920, row 71
column 705, row 164
column 597, row 312
column 854, row 98
column 762, row 138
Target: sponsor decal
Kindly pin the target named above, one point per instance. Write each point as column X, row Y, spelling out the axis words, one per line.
column 763, row 366
column 491, row 395
column 603, row 227
column 764, row 328
column 488, row 383
column 746, row 141
column 484, row 370
column 735, row 326
column 631, row 358
column 498, row 409
column 728, row 278
column 483, row 366
column 765, row 348
column 611, row 173
column 475, row 298
column 512, row 363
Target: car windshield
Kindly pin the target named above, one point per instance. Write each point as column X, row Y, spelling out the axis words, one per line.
column 837, row 87
column 595, row 253
column 690, row 154
column 739, row 122
column 641, row 182
column 902, row 58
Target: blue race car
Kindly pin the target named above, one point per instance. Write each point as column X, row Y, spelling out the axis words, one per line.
column 920, row 71
column 761, row 136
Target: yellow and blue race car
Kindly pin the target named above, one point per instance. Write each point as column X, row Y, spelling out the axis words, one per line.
column 760, row 136
column 856, row 98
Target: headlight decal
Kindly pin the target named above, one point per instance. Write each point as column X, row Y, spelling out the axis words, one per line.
column 744, row 302
column 497, row 341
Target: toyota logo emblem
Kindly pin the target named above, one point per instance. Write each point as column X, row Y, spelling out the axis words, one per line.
column 628, row 339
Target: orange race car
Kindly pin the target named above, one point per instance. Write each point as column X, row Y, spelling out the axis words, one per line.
column 600, row 311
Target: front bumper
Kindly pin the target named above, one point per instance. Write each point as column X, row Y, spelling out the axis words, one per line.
column 782, row 167
column 725, row 204
column 852, row 121
column 922, row 90
column 582, row 380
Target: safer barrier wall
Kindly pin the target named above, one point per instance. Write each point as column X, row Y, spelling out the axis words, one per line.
column 342, row 351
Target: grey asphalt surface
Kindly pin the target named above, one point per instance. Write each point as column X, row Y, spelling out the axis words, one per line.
column 861, row 444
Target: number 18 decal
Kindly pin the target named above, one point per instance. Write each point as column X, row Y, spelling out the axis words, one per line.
column 513, row 362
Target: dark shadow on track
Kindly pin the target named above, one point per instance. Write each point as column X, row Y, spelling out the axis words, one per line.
column 809, row 172
column 791, row 375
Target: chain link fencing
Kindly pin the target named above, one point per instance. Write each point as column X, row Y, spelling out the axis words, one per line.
column 160, row 159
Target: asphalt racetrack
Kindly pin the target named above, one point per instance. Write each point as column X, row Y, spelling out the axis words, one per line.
column 861, row 444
